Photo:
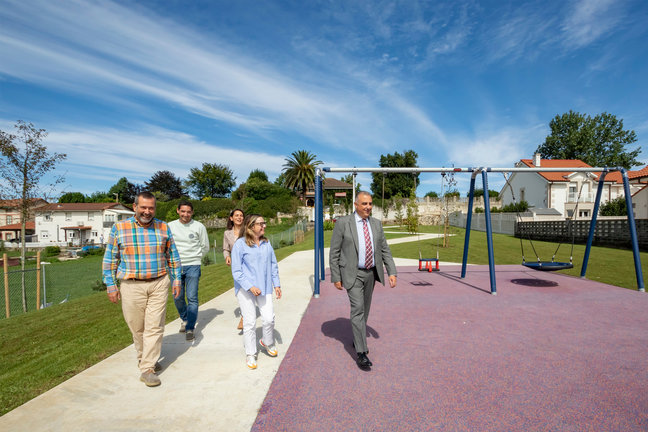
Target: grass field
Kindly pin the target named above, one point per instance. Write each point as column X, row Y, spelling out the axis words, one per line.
column 41, row 349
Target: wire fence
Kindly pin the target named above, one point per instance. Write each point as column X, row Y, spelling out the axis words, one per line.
column 294, row 234
column 58, row 282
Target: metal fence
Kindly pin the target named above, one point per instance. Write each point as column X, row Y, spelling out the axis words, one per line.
column 58, row 282
column 293, row 235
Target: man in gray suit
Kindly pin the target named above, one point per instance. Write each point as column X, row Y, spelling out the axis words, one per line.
column 358, row 251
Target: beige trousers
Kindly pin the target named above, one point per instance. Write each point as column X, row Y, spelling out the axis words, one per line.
column 144, row 307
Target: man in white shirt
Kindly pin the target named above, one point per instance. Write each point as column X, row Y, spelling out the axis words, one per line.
column 190, row 237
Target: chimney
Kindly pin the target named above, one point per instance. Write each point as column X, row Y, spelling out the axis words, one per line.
column 536, row 159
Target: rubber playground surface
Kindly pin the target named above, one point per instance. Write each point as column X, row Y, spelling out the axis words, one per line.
column 549, row 352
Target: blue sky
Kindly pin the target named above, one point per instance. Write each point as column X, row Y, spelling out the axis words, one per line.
column 128, row 88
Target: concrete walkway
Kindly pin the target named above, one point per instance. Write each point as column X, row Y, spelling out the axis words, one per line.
column 205, row 384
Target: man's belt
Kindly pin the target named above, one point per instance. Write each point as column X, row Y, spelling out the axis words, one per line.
column 148, row 279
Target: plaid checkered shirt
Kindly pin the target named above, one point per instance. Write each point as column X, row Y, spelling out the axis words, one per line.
column 137, row 252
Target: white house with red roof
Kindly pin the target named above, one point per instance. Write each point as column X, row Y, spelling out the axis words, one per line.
column 78, row 223
column 566, row 192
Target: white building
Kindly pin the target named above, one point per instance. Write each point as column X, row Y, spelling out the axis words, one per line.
column 566, row 192
column 78, row 223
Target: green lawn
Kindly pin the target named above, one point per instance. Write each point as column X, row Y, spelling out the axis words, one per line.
column 42, row 349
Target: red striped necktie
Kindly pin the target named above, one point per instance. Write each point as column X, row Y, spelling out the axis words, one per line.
column 368, row 248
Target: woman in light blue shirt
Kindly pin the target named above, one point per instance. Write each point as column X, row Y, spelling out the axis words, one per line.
column 256, row 275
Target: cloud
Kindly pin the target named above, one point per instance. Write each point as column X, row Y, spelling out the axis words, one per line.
column 108, row 154
column 105, row 51
column 590, row 20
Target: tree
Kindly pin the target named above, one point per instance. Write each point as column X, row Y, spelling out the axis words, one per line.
column 24, row 162
column 167, row 183
column 258, row 174
column 300, row 171
column 432, row 194
column 100, row 197
column 600, row 141
column 480, row 193
column 124, row 191
column 395, row 183
column 211, row 181
column 72, row 197
column 616, row 207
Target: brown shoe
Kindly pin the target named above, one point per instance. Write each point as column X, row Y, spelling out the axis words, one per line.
column 240, row 326
column 150, row 379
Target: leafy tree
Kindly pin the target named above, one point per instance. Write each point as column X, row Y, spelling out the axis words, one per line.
column 24, row 161
column 448, row 183
column 300, row 171
column 412, row 218
column 280, row 180
column 259, row 190
column 124, row 191
column 72, row 197
column 211, row 181
column 599, row 141
column 395, row 183
column 616, row 207
column 167, row 183
column 432, row 194
column 99, row 196
column 480, row 193
column 258, row 174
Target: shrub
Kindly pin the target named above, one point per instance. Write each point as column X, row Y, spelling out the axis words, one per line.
column 98, row 285
column 329, row 225
column 52, row 251
column 479, row 210
column 207, row 260
column 2, row 246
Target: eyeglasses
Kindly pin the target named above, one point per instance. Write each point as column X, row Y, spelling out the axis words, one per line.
column 260, row 223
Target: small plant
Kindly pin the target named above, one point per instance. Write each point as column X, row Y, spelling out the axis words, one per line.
column 479, row 210
column 2, row 246
column 98, row 285
column 207, row 260
column 412, row 218
column 329, row 225
column 52, row 251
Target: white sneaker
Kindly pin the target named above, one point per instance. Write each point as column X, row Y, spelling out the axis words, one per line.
column 251, row 362
column 183, row 327
column 271, row 350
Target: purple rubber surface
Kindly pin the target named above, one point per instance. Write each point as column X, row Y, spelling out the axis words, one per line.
column 549, row 352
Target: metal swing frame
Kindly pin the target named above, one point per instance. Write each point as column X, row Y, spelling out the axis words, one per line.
column 319, row 273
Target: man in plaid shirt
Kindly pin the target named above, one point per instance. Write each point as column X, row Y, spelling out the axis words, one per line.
column 138, row 252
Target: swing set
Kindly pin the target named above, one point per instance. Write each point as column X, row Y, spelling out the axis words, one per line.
column 425, row 264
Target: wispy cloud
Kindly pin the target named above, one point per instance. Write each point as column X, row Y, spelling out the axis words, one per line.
column 589, row 20
column 107, row 51
column 108, row 154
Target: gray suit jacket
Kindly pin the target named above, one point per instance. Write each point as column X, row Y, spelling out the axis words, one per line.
column 343, row 255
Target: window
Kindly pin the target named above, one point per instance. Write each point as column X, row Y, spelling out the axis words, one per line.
column 109, row 218
column 9, row 220
column 47, row 217
column 44, row 234
column 90, row 216
column 68, row 216
column 95, row 234
column 71, row 234
column 522, row 195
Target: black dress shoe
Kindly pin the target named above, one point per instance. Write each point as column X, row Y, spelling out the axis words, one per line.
column 363, row 361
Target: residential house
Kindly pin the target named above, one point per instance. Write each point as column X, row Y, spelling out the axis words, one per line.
column 568, row 193
column 10, row 220
column 342, row 190
column 640, row 203
column 78, row 223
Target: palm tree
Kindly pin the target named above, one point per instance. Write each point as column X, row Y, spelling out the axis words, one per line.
column 299, row 171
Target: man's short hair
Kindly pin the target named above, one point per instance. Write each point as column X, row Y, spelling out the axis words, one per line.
column 145, row 195
column 362, row 193
column 185, row 203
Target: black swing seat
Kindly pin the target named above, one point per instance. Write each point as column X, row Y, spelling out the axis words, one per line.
column 548, row 265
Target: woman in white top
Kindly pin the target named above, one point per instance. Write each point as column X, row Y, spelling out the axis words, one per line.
column 256, row 277
column 234, row 224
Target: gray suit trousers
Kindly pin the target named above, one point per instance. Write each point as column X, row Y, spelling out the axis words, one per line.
column 360, row 294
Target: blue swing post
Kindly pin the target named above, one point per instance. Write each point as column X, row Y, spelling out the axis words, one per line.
column 489, row 234
column 471, row 196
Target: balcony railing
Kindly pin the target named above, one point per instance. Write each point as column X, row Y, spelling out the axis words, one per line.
column 584, row 197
